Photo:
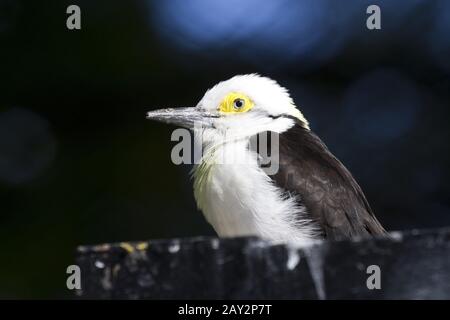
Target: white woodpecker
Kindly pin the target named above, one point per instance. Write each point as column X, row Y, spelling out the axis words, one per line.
column 311, row 196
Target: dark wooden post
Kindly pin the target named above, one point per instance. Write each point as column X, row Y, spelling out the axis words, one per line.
column 412, row 265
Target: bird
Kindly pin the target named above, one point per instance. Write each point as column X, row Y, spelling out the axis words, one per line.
column 311, row 196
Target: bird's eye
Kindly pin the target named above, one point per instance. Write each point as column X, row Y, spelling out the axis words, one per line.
column 235, row 102
column 238, row 103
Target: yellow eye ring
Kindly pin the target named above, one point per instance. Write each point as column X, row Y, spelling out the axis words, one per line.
column 235, row 102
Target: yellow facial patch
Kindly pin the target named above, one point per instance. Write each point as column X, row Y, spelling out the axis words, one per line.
column 235, row 103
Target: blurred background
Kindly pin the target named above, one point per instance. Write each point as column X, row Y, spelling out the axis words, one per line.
column 80, row 164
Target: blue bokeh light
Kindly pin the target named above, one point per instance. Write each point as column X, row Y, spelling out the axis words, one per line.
column 439, row 38
column 382, row 106
column 309, row 31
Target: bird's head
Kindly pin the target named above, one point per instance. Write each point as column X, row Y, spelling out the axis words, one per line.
column 242, row 106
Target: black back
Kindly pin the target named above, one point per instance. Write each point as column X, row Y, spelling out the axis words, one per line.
column 325, row 187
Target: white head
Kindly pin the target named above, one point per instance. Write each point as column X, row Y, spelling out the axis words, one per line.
column 243, row 106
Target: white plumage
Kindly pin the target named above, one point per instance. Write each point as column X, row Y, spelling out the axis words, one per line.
column 234, row 193
column 239, row 198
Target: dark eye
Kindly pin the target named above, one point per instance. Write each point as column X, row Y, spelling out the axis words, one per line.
column 238, row 103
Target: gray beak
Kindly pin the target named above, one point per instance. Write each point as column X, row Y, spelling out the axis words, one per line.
column 183, row 117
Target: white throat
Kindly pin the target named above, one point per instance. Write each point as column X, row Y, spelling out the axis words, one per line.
column 239, row 199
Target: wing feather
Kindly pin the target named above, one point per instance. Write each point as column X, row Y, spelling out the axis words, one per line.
column 326, row 188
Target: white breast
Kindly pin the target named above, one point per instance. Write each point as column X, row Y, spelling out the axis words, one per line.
column 239, row 199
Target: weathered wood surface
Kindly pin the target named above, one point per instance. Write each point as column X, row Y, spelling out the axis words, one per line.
column 413, row 265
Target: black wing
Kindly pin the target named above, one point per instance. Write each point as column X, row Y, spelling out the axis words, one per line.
column 326, row 188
